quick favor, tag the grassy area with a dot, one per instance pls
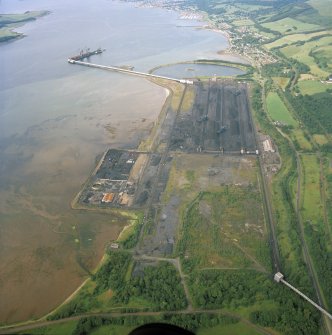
(188, 99)
(15, 18)
(278, 111)
(312, 87)
(282, 201)
(235, 329)
(128, 238)
(328, 192)
(281, 81)
(323, 7)
(311, 202)
(320, 139)
(299, 139)
(176, 88)
(63, 328)
(290, 26)
(7, 34)
(305, 54)
(8, 22)
(294, 38)
(113, 330)
(241, 23)
(251, 7)
(225, 229)
(323, 56)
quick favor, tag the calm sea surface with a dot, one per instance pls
(56, 118)
(192, 70)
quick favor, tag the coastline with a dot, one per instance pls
(167, 99)
(10, 22)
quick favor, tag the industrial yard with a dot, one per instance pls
(219, 120)
(115, 180)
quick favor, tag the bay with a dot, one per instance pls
(56, 119)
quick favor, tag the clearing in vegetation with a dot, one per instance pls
(312, 87)
(278, 111)
(311, 202)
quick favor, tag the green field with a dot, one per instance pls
(8, 22)
(290, 26)
(298, 137)
(302, 54)
(278, 111)
(294, 38)
(63, 328)
(235, 329)
(251, 8)
(241, 23)
(323, 7)
(312, 86)
(311, 202)
(225, 229)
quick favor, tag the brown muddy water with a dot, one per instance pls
(45, 245)
(56, 119)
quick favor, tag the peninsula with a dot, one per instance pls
(8, 22)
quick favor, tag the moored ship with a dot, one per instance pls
(86, 54)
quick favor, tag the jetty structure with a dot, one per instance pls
(86, 54)
(78, 59)
(279, 278)
(131, 72)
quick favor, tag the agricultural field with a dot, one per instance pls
(250, 7)
(290, 26)
(241, 23)
(323, 7)
(278, 111)
(323, 56)
(312, 87)
(294, 38)
(306, 54)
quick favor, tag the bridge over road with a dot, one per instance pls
(131, 72)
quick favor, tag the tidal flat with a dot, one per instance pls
(56, 120)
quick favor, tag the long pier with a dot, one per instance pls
(131, 72)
